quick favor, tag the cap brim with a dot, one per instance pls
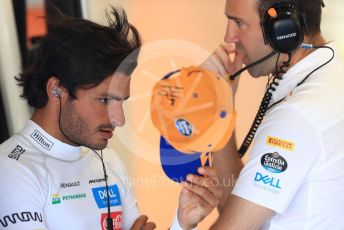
(177, 165)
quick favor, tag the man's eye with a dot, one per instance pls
(104, 100)
(239, 23)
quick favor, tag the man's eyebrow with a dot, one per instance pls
(233, 17)
(117, 98)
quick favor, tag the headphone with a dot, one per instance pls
(284, 27)
(56, 92)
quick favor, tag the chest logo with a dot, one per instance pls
(100, 196)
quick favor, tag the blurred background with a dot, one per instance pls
(175, 33)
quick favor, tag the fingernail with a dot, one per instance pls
(201, 170)
(189, 177)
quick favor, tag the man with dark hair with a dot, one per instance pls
(77, 86)
(294, 176)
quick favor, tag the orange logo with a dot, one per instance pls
(207, 158)
(283, 144)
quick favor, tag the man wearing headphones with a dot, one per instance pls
(77, 86)
(294, 176)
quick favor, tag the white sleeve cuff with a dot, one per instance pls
(175, 225)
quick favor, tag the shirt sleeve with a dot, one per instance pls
(21, 199)
(284, 154)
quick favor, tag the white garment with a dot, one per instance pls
(47, 184)
(296, 166)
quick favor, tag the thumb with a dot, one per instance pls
(184, 194)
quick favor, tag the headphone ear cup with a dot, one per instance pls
(284, 29)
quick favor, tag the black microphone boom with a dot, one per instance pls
(236, 74)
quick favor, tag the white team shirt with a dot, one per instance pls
(47, 184)
(296, 166)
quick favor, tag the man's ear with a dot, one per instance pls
(53, 89)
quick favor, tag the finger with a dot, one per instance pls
(211, 184)
(207, 171)
(199, 192)
(139, 222)
(229, 47)
(224, 58)
(184, 195)
(239, 56)
(216, 62)
(149, 226)
(189, 200)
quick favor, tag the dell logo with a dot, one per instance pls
(292, 35)
(103, 194)
(271, 181)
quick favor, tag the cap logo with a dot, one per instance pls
(184, 127)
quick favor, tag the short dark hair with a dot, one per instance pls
(81, 54)
(311, 9)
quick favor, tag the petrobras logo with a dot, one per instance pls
(100, 196)
(117, 220)
(286, 36)
(42, 140)
(56, 199)
(267, 180)
(274, 162)
(184, 127)
(74, 196)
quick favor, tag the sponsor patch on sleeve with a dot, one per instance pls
(274, 162)
(280, 143)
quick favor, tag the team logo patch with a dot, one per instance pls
(16, 152)
(117, 220)
(100, 196)
(280, 143)
(274, 162)
(184, 127)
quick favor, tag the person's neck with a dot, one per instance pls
(46, 118)
(300, 53)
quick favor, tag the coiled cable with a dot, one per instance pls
(264, 105)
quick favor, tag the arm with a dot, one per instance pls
(279, 166)
(228, 166)
(239, 213)
(224, 60)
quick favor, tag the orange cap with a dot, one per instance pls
(193, 110)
